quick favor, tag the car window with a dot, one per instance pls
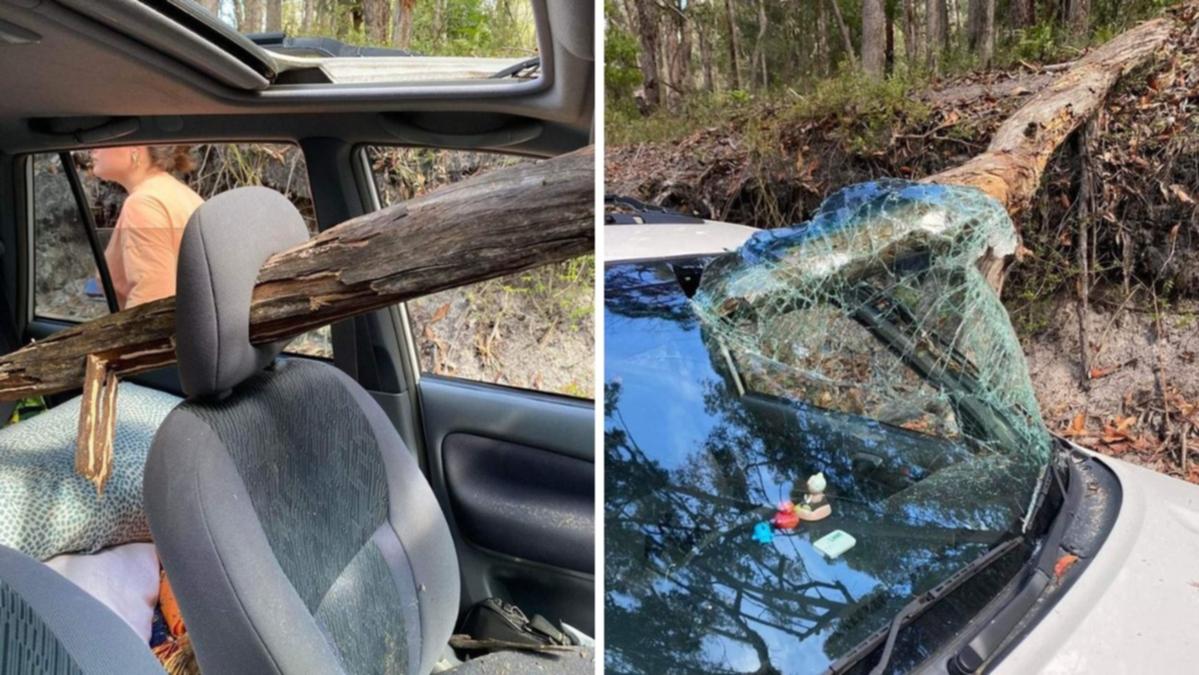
(142, 254)
(531, 330)
(66, 284)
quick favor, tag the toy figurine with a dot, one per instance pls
(763, 534)
(786, 518)
(815, 505)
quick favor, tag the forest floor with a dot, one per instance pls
(770, 162)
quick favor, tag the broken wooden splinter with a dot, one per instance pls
(97, 422)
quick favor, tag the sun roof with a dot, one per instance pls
(384, 41)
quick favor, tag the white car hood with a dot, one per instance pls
(1135, 608)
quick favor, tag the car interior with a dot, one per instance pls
(488, 489)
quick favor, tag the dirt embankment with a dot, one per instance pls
(770, 165)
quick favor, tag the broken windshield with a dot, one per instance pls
(858, 362)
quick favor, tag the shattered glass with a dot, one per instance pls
(876, 307)
(863, 345)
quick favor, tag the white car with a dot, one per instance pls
(966, 552)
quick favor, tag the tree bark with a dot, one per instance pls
(936, 33)
(873, 38)
(757, 64)
(309, 16)
(1010, 169)
(849, 51)
(986, 37)
(1079, 16)
(377, 16)
(252, 16)
(705, 55)
(274, 15)
(648, 33)
(213, 6)
(401, 33)
(911, 44)
(823, 60)
(734, 44)
(1023, 13)
(535, 214)
(678, 52)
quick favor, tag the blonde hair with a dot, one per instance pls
(175, 158)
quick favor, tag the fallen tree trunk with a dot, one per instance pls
(492, 225)
(1010, 169)
(500, 223)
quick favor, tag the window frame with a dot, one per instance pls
(402, 320)
(86, 221)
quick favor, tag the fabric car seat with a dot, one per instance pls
(297, 530)
(50, 626)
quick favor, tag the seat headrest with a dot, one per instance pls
(224, 244)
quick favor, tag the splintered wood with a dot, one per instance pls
(97, 422)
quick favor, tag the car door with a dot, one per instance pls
(505, 436)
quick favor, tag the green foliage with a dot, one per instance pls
(621, 73)
(464, 28)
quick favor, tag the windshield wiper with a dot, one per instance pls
(983, 644)
(518, 68)
(918, 606)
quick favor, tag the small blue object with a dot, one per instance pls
(91, 288)
(763, 534)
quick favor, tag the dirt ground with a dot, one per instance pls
(534, 331)
(1122, 408)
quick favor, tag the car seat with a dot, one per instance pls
(297, 530)
(50, 626)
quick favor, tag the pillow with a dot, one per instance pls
(46, 508)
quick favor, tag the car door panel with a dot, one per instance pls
(521, 500)
(514, 471)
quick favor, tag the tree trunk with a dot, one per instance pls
(911, 46)
(974, 23)
(274, 15)
(678, 53)
(536, 214)
(734, 44)
(213, 6)
(1079, 17)
(308, 19)
(1010, 169)
(936, 34)
(758, 61)
(401, 32)
(986, 42)
(849, 51)
(648, 33)
(252, 16)
(873, 38)
(705, 55)
(376, 15)
(1023, 13)
(823, 59)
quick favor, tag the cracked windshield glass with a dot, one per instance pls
(806, 433)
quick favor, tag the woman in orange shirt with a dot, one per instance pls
(144, 248)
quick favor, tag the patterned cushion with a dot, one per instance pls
(46, 508)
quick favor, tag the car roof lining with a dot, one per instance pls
(81, 68)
